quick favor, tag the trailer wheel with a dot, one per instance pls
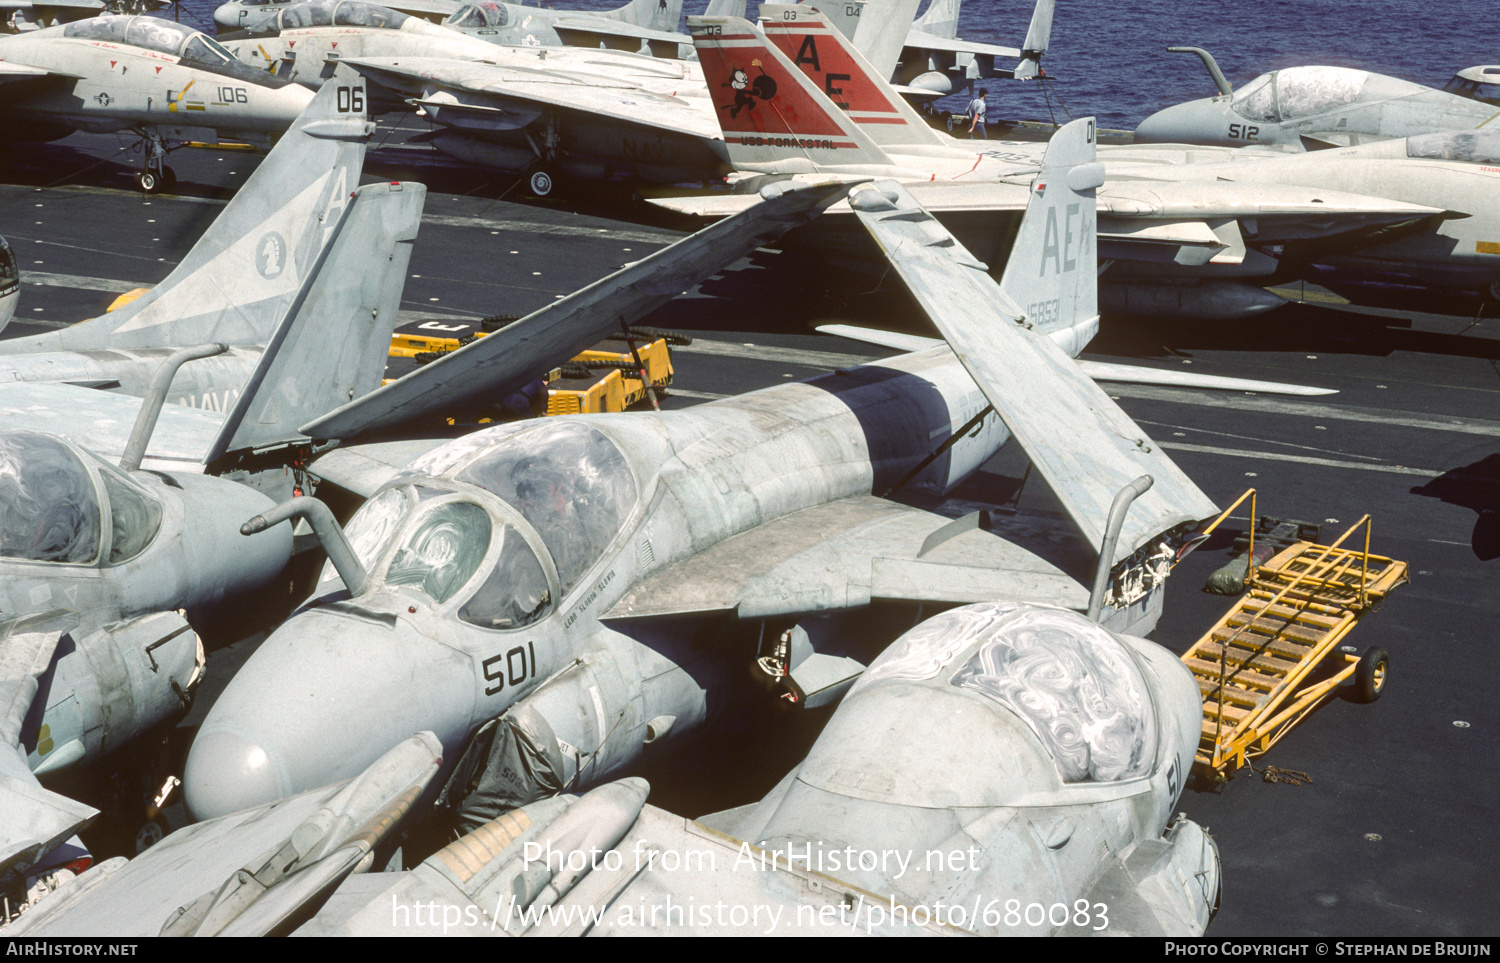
(1371, 673)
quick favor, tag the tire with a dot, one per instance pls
(148, 182)
(541, 183)
(1370, 674)
(168, 178)
(149, 834)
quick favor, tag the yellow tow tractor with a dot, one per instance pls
(1258, 667)
(626, 368)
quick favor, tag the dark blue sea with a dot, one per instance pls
(1109, 58)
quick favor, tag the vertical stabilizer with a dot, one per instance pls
(833, 64)
(941, 18)
(237, 282)
(332, 346)
(775, 120)
(845, 17)
(1055, 260)
(882, 33)
(664, 15)
(1039, 34)
(726, 8)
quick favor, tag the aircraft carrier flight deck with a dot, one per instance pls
(1391, 832)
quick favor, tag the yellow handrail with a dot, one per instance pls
(1224, 645)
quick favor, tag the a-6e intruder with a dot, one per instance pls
(1002, 769)
(589, 576)
(154, 78)
(1311, 108)
(1038, 755)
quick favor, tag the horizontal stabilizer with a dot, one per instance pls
(101, 421)
(486, 371)
(1085, 446)
(1136, 374)
(927, 41)
(1098, 370)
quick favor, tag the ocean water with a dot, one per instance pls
(1108, 57)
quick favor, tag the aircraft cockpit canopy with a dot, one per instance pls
(1295, 92)
(54, 498)
(1075, 686)
(1048, 671)
(444, 540)
(331, 13)
(477, 16)
(1477, 83)
(569, 482)
(1471, 146)
(567, 493)
(194, 48)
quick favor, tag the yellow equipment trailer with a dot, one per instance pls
(1258, 667)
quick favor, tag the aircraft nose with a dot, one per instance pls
(1195, 122)
(227, 772)
(332, 689)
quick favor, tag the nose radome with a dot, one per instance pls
(227, 773)
(1196, 122)
(321, 699)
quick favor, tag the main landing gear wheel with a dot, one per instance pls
(541, 183)
(1371, 673)
(154, 182)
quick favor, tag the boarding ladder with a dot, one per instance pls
(1255, 668)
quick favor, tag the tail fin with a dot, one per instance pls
(663, 15)
(774, 120)
(726, 8)
(1038, 35)
(941, 18)
(831, 62)
(882, 33)
(332, 345)
(845, 17)
(1053, 266)
(237, 282)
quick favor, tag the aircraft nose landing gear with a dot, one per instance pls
(156, 176)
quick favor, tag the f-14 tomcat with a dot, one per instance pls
(155, 78)
(588, 575)
(555, 109)
(1186, 230)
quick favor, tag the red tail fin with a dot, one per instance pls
(774, 119)
(833, 64)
